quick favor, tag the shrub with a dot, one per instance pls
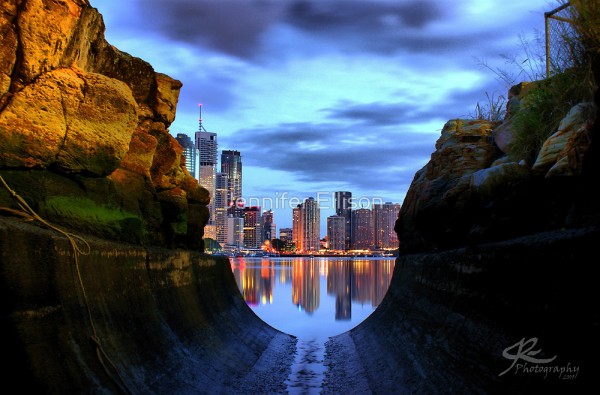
(493, 110)
(542, 109)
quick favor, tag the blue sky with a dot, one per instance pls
(328, 95)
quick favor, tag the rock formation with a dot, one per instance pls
(472, 190)
(84, 127)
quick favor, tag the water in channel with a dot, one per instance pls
(312, 298)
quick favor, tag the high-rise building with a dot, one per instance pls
(252, 231)
(297, 227)
(343, 208)
(311, 219)
(336, 232)
(206, 143)
(362, 229)
(235, 231)
(285, 235)
(231, 164)
(267, 225)
(220, 201)
(189, 152)
(384, 219)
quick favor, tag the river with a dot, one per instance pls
(312, 298)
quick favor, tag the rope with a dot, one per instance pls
(28, 213)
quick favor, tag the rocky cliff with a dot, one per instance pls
(476, 189)
(84, 130)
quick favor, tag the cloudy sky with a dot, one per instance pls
(327, 95)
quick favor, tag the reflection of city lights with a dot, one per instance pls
(352, 282)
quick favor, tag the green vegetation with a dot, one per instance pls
(542, 109)
(83, 214)
(574, 45)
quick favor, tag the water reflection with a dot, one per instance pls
(313, 296)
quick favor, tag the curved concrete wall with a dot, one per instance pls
(172, 322)
(448, 317)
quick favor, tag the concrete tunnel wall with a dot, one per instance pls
(171, 321)
(174, 321)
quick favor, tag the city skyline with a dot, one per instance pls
(328, 95)
(226, 190)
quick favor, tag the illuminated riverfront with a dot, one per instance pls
(313, 297)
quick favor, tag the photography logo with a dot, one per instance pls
(525, 361)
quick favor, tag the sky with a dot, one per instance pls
(329, 95)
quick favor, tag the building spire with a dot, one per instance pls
(200, 127)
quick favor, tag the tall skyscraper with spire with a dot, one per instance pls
(206, 143)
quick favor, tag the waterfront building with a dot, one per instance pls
(343, 208)
(286, 236)
(336, 232)
(235, 231)
(384, 219)
(311, 219)
(252, 227)
(362, 229)
(267, 226)
(297, 226)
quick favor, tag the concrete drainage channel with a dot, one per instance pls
(308, 368)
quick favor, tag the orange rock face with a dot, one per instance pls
(72, 103)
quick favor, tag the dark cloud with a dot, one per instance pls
(240, 28)
(362, 15)
(322, 153)
(231, 27)
(459, 104)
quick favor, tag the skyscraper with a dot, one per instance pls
(343, 208)
(235, 231)
(206, 143)
(252, 227)
(189, 152)
(267, 226)
(297, 227)
(362, 229)
(231, 164)
(220, 202)
(285, 235)
(384, 219)
(336, 232)
(311, 219)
